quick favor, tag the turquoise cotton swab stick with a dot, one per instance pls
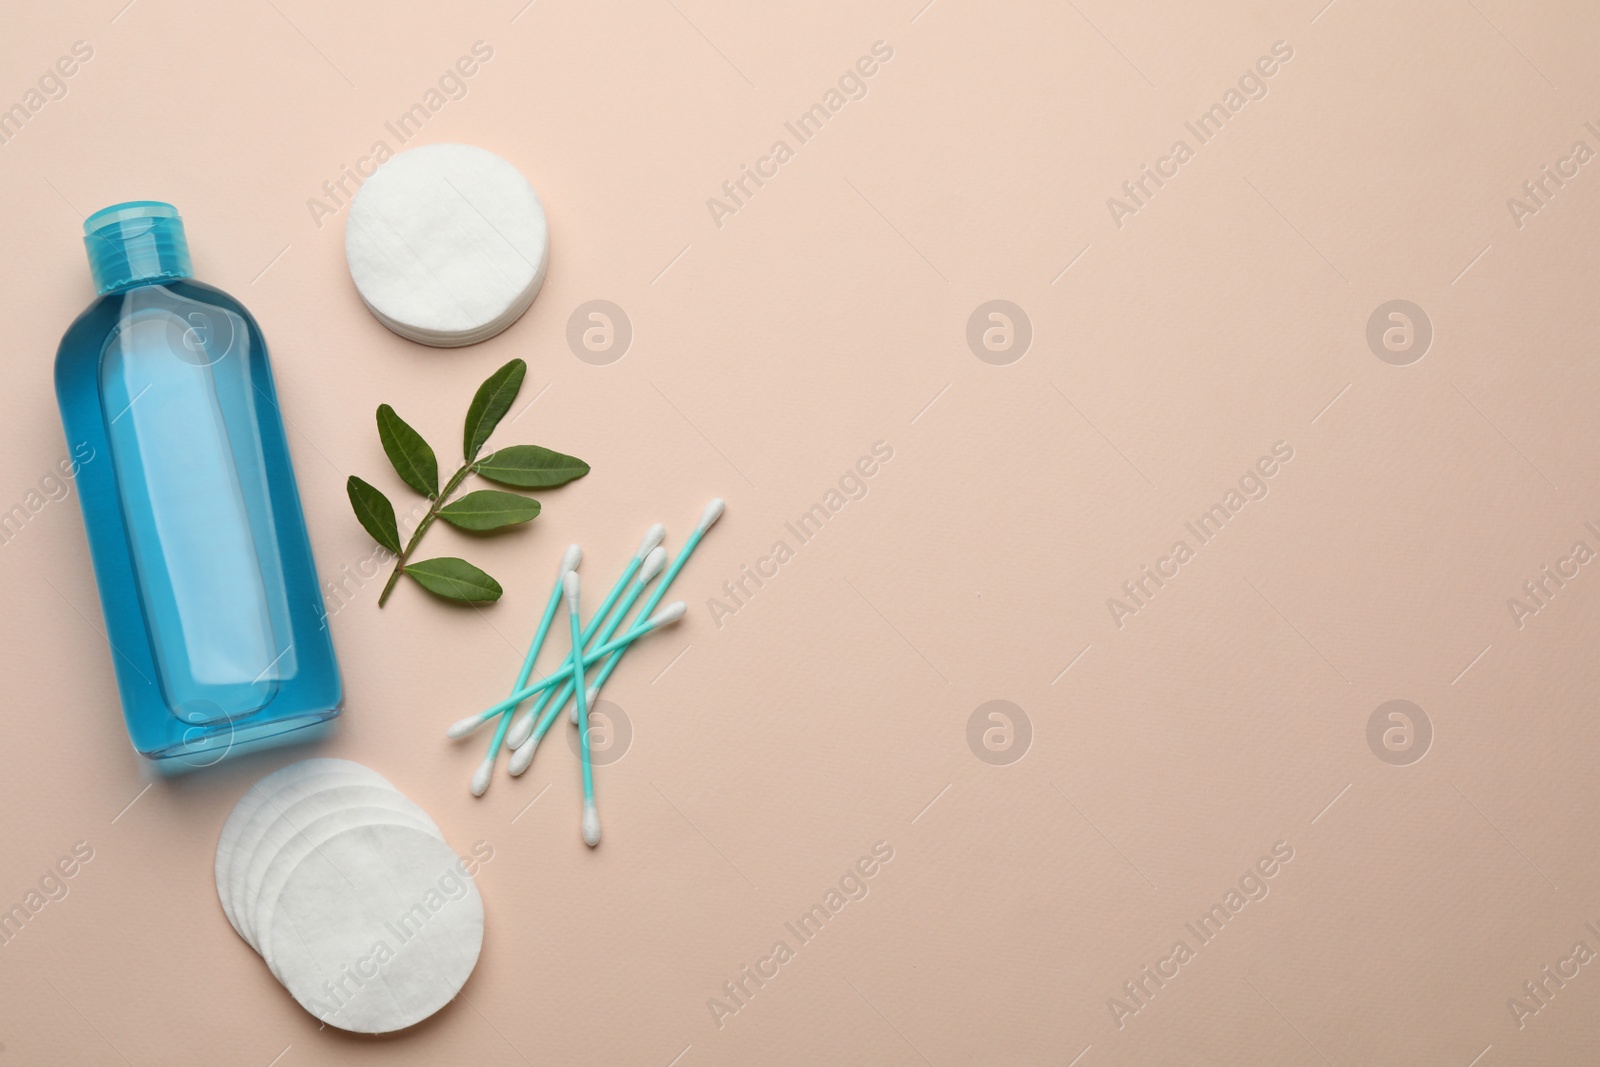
(523, 755)
(574, 555)
(652, 537)
(569, 563)
(591, 815)
(523, 726)
(712, 513)
(665, 617)
(522, 752)
(653, 565)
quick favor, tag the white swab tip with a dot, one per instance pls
(462, 727)
(653, 564)
(572, 714)
(519, 731)
(570, 561)
(591, 824)
(570, 585)
(652, 537)
(669, 614)
(712, 513)
(592, 695)
(480, 777)
(523, 756)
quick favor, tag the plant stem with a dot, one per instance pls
(422, 527)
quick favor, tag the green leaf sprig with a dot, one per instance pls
(480, 511)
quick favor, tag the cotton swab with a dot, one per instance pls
(574, 555)
(523, 724)
(660, 556)
(654, 564)
(591, 816)
(530, 728)
(652, 539)
(708, 518)
(522, 755)
(569, 565)
(665, 617)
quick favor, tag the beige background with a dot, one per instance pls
(1166, 757)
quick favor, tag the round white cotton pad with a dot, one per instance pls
(377, 929)
(293, 851)
(293, 822)
(447, 244)
(227, 848)
(229, 839)
(288, 790)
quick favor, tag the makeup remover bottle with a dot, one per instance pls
(212, 607)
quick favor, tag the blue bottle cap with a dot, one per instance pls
(139, 241)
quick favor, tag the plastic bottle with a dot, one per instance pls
(212, 606)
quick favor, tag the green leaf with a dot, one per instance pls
(413, 460)
(454, 579)
(490, 405)
(530, 467)
(375, 513)
(489, 509)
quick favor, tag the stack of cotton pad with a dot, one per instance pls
(447, 244)
(350, 893)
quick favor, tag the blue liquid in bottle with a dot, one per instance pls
(212, 606)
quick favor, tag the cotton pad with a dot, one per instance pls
(351, 894)
(377, 929)
(447, 244)
(293, 820)
(270, 801)
(253, 800)
(260, 907)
